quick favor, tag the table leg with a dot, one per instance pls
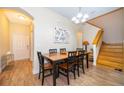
(87, 60)
(57, 71)
(54, 74)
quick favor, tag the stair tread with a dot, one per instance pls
(103, 61)
(105, 52)
(111, 55)
(113, 44)
(111, 64)
(117, 54)
(105, 56)
(110, 47)
(114, 51)
(110, 60)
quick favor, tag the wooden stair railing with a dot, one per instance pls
(96, 42)
(97, 45)
(99, 34)
(98, 37)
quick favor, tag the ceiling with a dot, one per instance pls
(15, 17)
(93, 12)
(68, 12)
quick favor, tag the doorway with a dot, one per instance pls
(20, 32)
(18, 35)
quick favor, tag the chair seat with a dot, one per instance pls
(48, 66)
(64, 65)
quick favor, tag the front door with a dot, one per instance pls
(21, 45)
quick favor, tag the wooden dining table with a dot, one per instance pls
(56, 59)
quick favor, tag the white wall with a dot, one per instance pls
(79, 39)
(123, 24)
(4, 36)
(89, 33)
(32, 41)
(44, 22)
(113, 26)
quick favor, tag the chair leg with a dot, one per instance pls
(58, 71)
(68, 77)
(42, 78)
(78, 70)
(39, 72)
(83, 67)
(74, 73)
(57, 74)
(39, 75)
(51, 71)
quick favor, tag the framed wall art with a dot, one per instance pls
(61, 35)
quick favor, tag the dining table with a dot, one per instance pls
(56, 58)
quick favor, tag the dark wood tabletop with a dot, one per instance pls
(58, 56)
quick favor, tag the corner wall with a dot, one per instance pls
(89, 32)
(123, 24)
(79, 36)
(112, 24)
(4, 35)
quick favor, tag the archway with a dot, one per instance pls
(31, 27)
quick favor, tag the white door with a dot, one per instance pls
(21, 45)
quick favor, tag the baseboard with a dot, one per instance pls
(26, 59)
(35, 72)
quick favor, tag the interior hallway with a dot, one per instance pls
(20, 74)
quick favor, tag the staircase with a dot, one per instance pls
(111, 55)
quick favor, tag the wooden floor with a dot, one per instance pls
(20, 74)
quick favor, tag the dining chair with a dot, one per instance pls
(62, 50)
(52, 51)
(43, 67)
(80, 61)
(79, 49)
(83, 51)
(68, 66)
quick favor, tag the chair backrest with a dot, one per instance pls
(72, 56)
(52, 51)
(79, 49)
(81, 55)
(40, 58)
(81, 52)
(62, 50)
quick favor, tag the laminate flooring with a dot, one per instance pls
(20, 74)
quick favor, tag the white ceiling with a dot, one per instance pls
(93, 12)
(68, 12)
(14, 17)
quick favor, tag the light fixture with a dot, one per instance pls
(80, 18)
(83, 20)
(21, 17)
(74, 18)
(77, 21)
(79, 15)
(86, 16)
